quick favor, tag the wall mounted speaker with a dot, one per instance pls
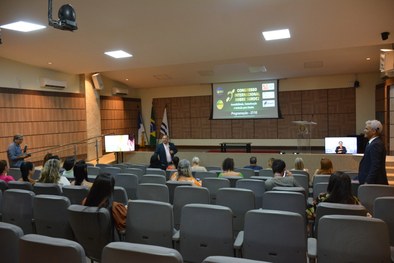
(98, 81)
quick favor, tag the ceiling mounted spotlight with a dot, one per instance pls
(66, 16)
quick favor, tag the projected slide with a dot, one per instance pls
(245, 100)
(119, 143)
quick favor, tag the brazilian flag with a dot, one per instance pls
(152, 140)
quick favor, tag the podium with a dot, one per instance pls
(304, 135)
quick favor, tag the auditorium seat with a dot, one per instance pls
(47, 189)
(129, 182)
(155, 171)
(137, 171)
(75, 193)
(184, 195)
(274, 236)
(213, 185)
(174, 184)
(20, 185)
(154, 192)
(384, 209)
(257, 186)
(92, 228)
(15, 172)
(202, 175)
(111, 170)
(123, 252)
(246, 172)
(367, 193)
(42, 249)
(120, 195)
(149, 222)
(153, 179)
(285, 201)
(9, 242)
(223, 259)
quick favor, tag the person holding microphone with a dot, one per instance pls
(15, 153)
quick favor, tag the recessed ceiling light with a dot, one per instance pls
(386, 49)
(49, 63)
(368, 59)
(276, 34)
(22, 26)
(127, 79)
(118, 54)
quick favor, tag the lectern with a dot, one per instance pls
(304, 135)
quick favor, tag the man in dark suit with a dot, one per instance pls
(372, 168)
(166, 151)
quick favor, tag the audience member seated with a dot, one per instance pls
(155, 162)
(50, 173)
(174, 164)
(326, 167)
(184, 173)
(49, 156)
(339, 190)
(196, 167)
(101, 195)
(228, 168)
(282, 177)
(68, 166)
(269, 162)
(299, 165)
(81, 174)
(27, 171)
(253, 164)
(3, 172)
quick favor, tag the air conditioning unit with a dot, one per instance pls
(119, 91)
(53, 84)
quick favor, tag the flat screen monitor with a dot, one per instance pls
(119, 143)
(350, 143)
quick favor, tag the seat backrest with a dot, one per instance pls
(300, 172)
(257, 186)
(383, 209)
(153, 179)
(123, 252)
(266, 172)
(202, 175)
(274, 236)
(38, 248)
(223, 259)
(346, 238)
(213, 185)
(325, 208)
(174, 184)
(3, 185)
(9, 242)
(122, 166)
(285, 201)
(302, 180)
(320, 178)
(239, 201)
(103, 165)
(75, 193)
(246, 172)
(367, 193)
(129, 182)
(120, 195)
(149, 222)
(137, 171)
(47, 189)
(297, 189)
(93, 170)
(92, 228)
(50, 216)
(213, 168)
(111, 170)
(36, 174)
(154, 192)
(15, 172)
(155, 171)
(319, 188)
(18, 208)
(184, 195)
(206, 230)
(139, 166)
(20, 185)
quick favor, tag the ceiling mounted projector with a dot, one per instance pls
(66, 16)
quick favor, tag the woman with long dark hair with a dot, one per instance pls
(27, 171)
(81, 174)
(340, 189)
(101, 196)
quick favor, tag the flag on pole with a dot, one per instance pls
(141, 131)
(164, 124)
(152, 140)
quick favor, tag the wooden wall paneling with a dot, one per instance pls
(265, 129)
(341, 124)
(286, 128)
(221, 129)
(290, 102)
(314, 101)
(320, 130)
(242, 129)
(200, 106)
(342, 100)
(180, 128)
(200, 128)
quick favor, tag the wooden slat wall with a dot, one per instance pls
(46, 119)
(334, 110)
(119, 115)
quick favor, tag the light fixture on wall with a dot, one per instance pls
(66, 16)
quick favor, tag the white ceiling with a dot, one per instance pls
(185, 42)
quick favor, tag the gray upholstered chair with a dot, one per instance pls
(154, 192)
(9, 242)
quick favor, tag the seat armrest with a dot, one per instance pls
(239, 240)
(176, 236)
(312, 248)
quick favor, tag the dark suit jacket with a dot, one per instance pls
(372, 168)
(162, 152)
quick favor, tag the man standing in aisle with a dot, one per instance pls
(15, 153)
(372, 168)
(166, 151)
